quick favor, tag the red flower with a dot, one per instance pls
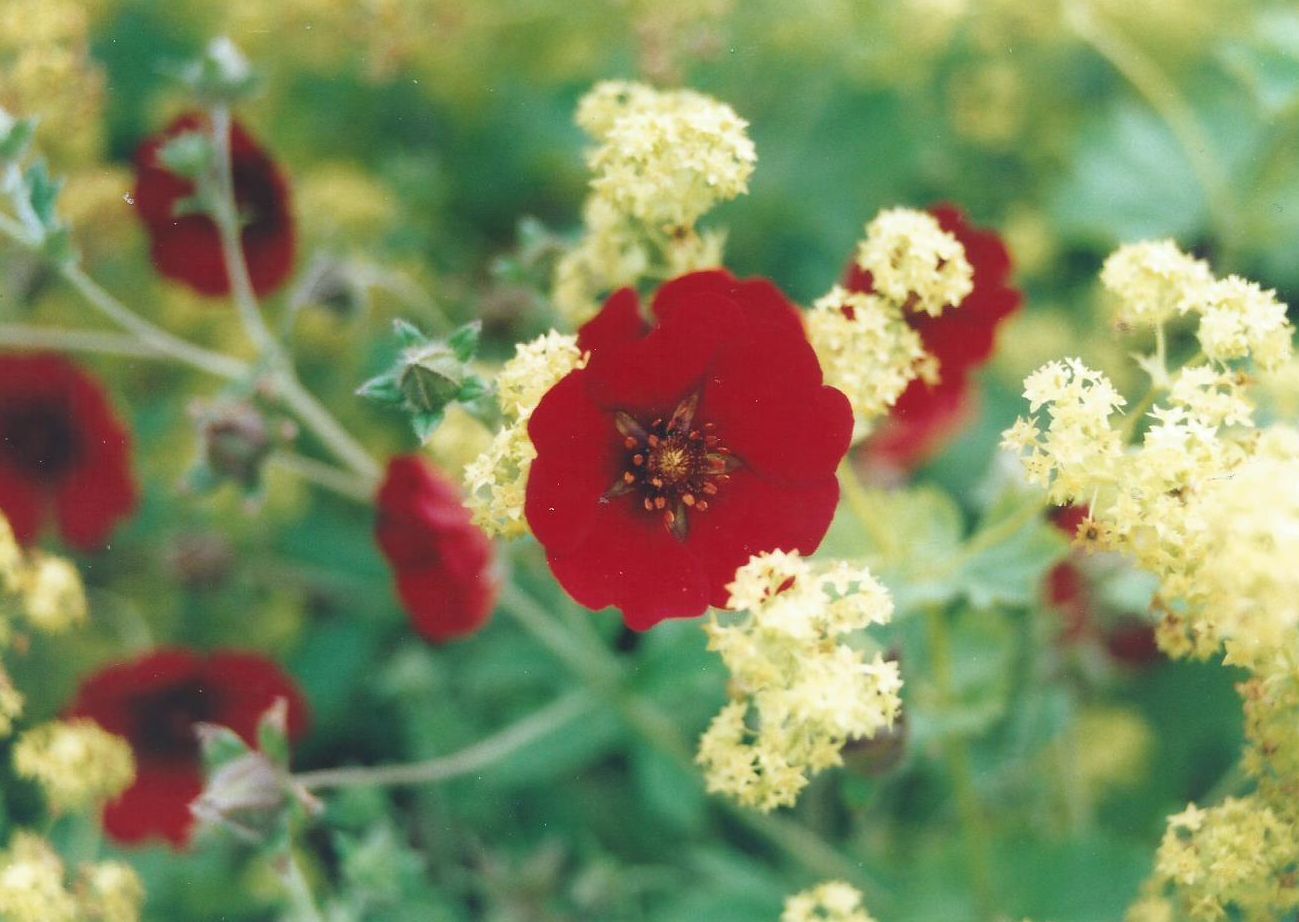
(682, 449)
(188, 248)
(962, 338)
(154, 702)
(62, 451)
(444, 565)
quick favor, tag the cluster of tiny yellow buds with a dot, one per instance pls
(1079, 447)
(664, 157)
(1241, 320)
(1230, 861)
(866, 349)
(76, 762)
(1271, 730)
(31, 883)
(612, 254)
(914, 262)
(496, 481)
(46, 69)
(33, 889)
(833, 901)
(11, 704)
(54, 599)
(110, 892)
(800, 692)
(342, 203)
(535, 368)
(1153, 282)
(11, 558)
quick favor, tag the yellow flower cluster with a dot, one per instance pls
(1154, 282)
(662, 159)
(863, 341)
(799, 690)
(866, 349)
(833, 901)
(76, 762)
(1238, 854)
(1211, 507)
(33, 887)
(43, 592)
(914, 262)
(496, 481)
(46, 71)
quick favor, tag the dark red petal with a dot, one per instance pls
(155, 806)
(23, 504)
(922, 421)
(752, 515)
(444, 564)
(619, 322)
(246, 685)
(629, 560)
(579, 452)
(650, 376)
(108, 696)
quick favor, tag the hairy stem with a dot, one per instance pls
(956, 751)
(551, 718)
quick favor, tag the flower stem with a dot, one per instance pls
(859, 502)
(974, 824)
(299, 891)
(331, 478)
(27, 336)
(549, 719)
(598, 667)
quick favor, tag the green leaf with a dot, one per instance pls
(220, 746)
(43, 193)
(1009, 571)
(1268, 61)
(383, 389)
(273, 733)
(408, 334)
(464, 341)
(425, 424)
(668, 790)
(15, 136)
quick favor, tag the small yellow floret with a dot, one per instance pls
(54, 599)
(1154, 281)
(536, 367)
(110, 892)
(914, 262)
(77, 763)
(833, 901)
(31, 883)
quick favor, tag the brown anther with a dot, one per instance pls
(653, 441)
(628, 477)
(702, 505)
(709, 427)
(688, 499)
(629, 443)
(669, 517)
(660, 502)
(695, 435)
(649, 504)
(638, 460)
(658, 422)
(710, 488)
(656, 483)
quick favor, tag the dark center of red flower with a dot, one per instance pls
(40, 440)
(165, 721)
(256, 197)
(675, 467)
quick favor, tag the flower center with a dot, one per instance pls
(165, 721)
(39, 440)
(673, 465)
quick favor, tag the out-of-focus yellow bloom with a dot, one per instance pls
(76, 762)
(1113, 747)
(799, 690)
(914, 262)
(31, 883)
(54, 599)
(496, 481)
(340, 203)
(833, 901)
(110, 892)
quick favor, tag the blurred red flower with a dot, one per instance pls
(962, 338)
(62, 451)
(444, 564)
(683, 448)
(187, 248)
(154, 702)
